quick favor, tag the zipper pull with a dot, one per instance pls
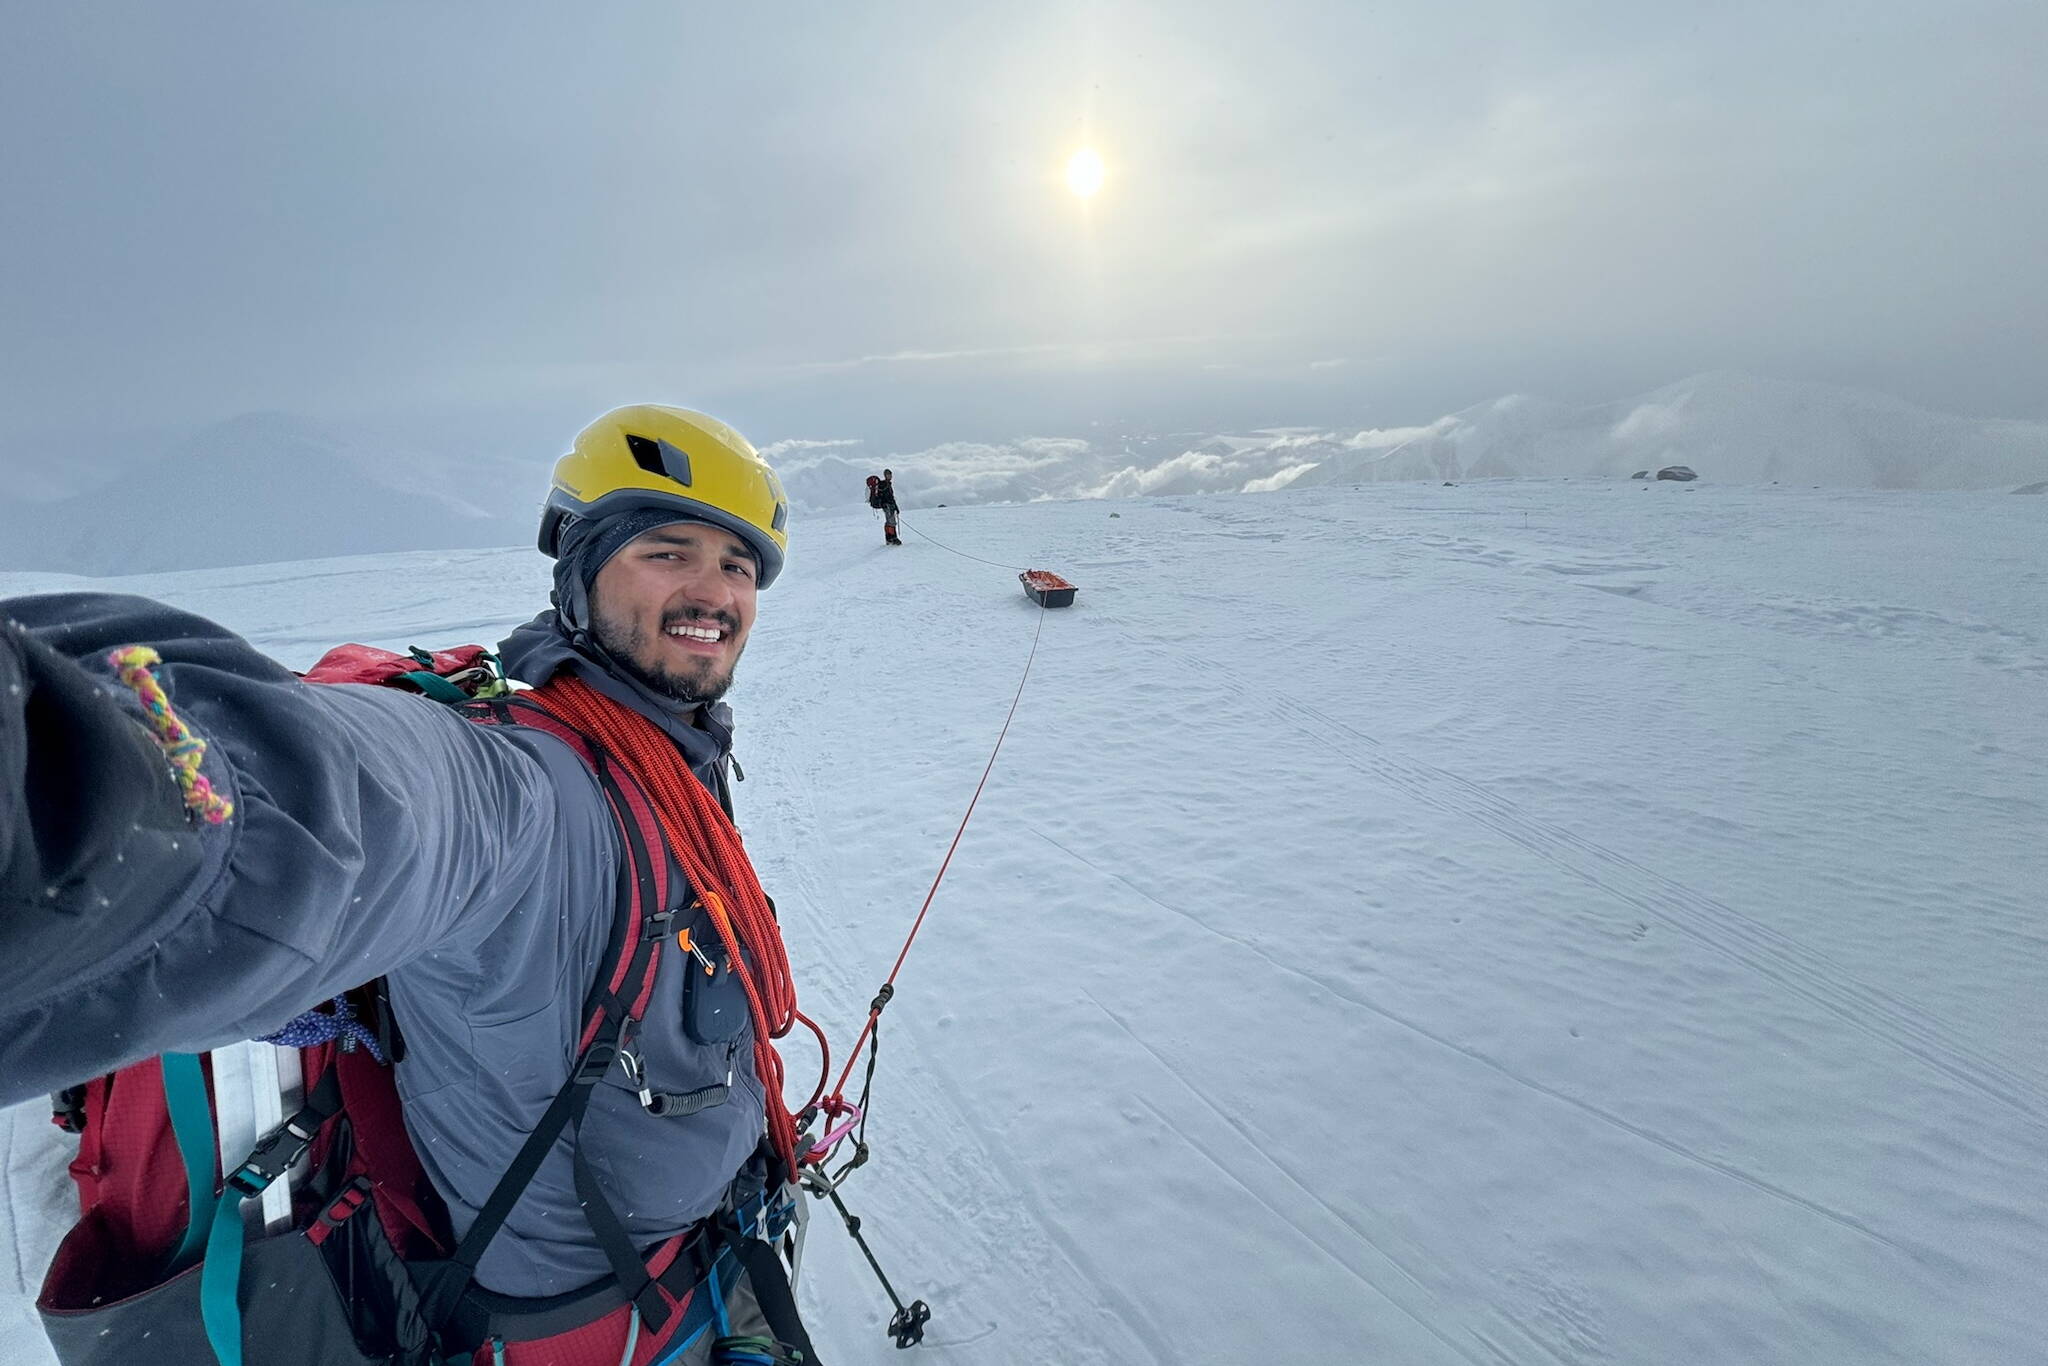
(636, 1073)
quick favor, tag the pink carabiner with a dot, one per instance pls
(837, 1132)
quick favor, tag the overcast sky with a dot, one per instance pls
(850, 219)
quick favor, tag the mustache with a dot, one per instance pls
(726, 621)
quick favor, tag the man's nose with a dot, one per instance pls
(705, 586)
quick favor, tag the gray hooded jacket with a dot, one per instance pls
(375, 832)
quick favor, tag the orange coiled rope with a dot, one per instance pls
(704, 841)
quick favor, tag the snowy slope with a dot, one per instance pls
(266, 487)
(1526, 922)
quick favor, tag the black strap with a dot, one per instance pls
(628, 1270)
(445, 1283)
(448, 1282)
(772, 1292)
(384, 1023)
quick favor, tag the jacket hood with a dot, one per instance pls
(543, 647)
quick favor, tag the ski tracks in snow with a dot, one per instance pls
(992, 1254)
(1772, 955)
(1342, 991)
(1780, 959)
(1251, 1156)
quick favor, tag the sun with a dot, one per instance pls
(1084, 172)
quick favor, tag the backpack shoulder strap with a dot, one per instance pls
(611, 1014)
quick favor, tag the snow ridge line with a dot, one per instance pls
(1769, 953)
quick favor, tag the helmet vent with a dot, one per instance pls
(660, 457)
(646, 453)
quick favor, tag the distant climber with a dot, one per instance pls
(882, 495)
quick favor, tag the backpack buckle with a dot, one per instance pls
(597, 1061)
(67, 1109)
(264, 1165)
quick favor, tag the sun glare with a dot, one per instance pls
(1084, 172)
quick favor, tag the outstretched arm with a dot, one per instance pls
(369, 828)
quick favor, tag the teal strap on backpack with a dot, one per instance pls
(220, 1278)
(220, 1275)
(435, 686)
(192, 1126)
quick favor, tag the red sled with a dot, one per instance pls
(1046, 588)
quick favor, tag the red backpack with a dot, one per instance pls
(357, 1265)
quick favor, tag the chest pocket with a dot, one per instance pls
(714, 1001)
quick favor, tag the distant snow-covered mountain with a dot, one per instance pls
(272, 486)
(1731, 428)
(264, 487)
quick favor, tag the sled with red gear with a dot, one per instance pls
(1046, 588)
(326, 1240)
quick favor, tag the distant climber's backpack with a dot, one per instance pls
(876, 499)
(352, 1261)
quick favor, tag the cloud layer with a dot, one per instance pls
(856, 223)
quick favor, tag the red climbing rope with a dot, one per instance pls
(836, 1102)
(704, 841)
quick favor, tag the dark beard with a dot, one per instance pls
(626, 645)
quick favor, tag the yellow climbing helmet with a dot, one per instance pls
(652, 456)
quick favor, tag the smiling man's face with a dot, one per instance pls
(674, 606)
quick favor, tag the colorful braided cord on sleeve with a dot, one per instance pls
(185, 750)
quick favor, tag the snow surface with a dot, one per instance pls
(1523, 922)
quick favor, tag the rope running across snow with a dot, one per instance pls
(889, 987)
(961, 553)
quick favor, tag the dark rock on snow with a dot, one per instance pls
(1682, 473)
